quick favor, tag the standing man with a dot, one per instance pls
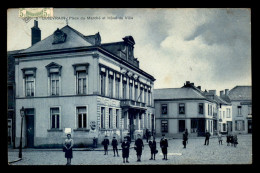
(152, 145)
(187, 134)
(139, 146)
(164, 145)
(147, 135)
(185, 139)
(105, 143)
(125, 150)
(207, 135)
(114, 144)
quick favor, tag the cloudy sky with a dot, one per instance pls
(210, 47)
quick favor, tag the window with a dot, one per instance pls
(149, 98)
(239, 110)
(29, 85)
(54, 83)
(82, 117)
(194, 126)
(164, 109)
(117, 88)
(228, 113)
(239, 125)
(200, 108)
(164, 126)
(141, 94)
(208, 110)
(124, 89)
(249, 110)
(55, 118)
(136, 92)
(181, 125)
(145, 96)
(110, 86)
(220, 116)
(181, 108)
(223, 114)
(102, 118)
(224, 127)
(81, 82)
(110, 118)
(117, 118)
(130, 91)
(103, 83)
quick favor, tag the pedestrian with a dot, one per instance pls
(152, 145)
(187, 134)
(105, 143)
(232, 139)
(125, 150)
(235, 140)
(94, 142)
(228, 139)
(128, 138)
(185, 138)
(68, 144)
(164, 145)
(219, 138)
(139, 146)
(207, 135)
(147, 135)
(114, 144)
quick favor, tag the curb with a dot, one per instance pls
(15, 161)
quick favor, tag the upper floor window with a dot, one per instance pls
(124, 87)
(117, 86)
(55, 118)
(239, 110)
(110, 85)
(223, 114)
(181, 108)
(249, 110)
(145, 95)
(81, 72)
(130, 89)
(201, 108)
(164, 109)
(82, 117)
(149, 97)
(228, 113)
(136, 91)
(103, 81)
(54, 83)
(29, 75)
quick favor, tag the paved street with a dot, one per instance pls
(195, 153)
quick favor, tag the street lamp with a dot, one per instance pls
(22, 116)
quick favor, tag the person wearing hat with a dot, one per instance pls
(105, 143)
(152, 145)
(139, 146)
(125, 150)
(114, 144)
(68, 144)
(164, 145)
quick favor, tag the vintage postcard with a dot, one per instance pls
(121, 86)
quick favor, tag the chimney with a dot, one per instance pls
(199, 87)
(36, 33)
(187, 82)
(192, 84)
(212, 92)
(221, 93)
(226, 92)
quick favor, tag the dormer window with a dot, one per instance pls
(59, 36)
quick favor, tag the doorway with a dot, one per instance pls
(29, 119)
(249, 126)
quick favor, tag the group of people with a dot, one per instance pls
(231, 139)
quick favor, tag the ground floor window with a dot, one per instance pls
(164, 126)
(181, 125)
(224, 127)
(82, 117)
(194, 126)
(55, 118)
(239, 125)
(102, 118)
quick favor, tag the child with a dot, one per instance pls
(105, 143)
(219, 138)
(125, 150)
(114, 144)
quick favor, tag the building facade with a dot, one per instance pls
(177, 109)
(69, 82)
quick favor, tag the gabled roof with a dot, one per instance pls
(177, 93)
(73, 39)
(240, 93)
(11, 65)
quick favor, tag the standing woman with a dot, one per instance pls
(125, 149)
(68, 144)
(139, 145)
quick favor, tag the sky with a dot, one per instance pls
(209, 47)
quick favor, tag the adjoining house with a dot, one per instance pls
(241, 99)
(72, 83)
(177, 109)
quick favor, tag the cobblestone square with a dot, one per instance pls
(195, 153)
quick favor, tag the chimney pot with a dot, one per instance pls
(199, 87)
(212, 92)
(221, 93)
(187, 82)
(226, 92)
(192, 83)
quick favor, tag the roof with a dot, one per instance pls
(73, 39)
(11, 65)
(240, 93)
(177, 93)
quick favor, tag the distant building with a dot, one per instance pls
(177, 109)
(69, 82)
(241, 99)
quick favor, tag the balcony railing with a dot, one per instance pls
(132, 103)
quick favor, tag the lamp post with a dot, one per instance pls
(22, 116)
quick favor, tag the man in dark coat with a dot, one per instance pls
(147, 135)
(207, 135)
(114, 144)
(105, 143)
(187, 134)
(185, 139)
(125, 150)
(152, 145)
(139, 146)
(164, 145)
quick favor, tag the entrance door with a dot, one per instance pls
(29, 119)
(131, 125)
(249, 126)
(201, 127)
